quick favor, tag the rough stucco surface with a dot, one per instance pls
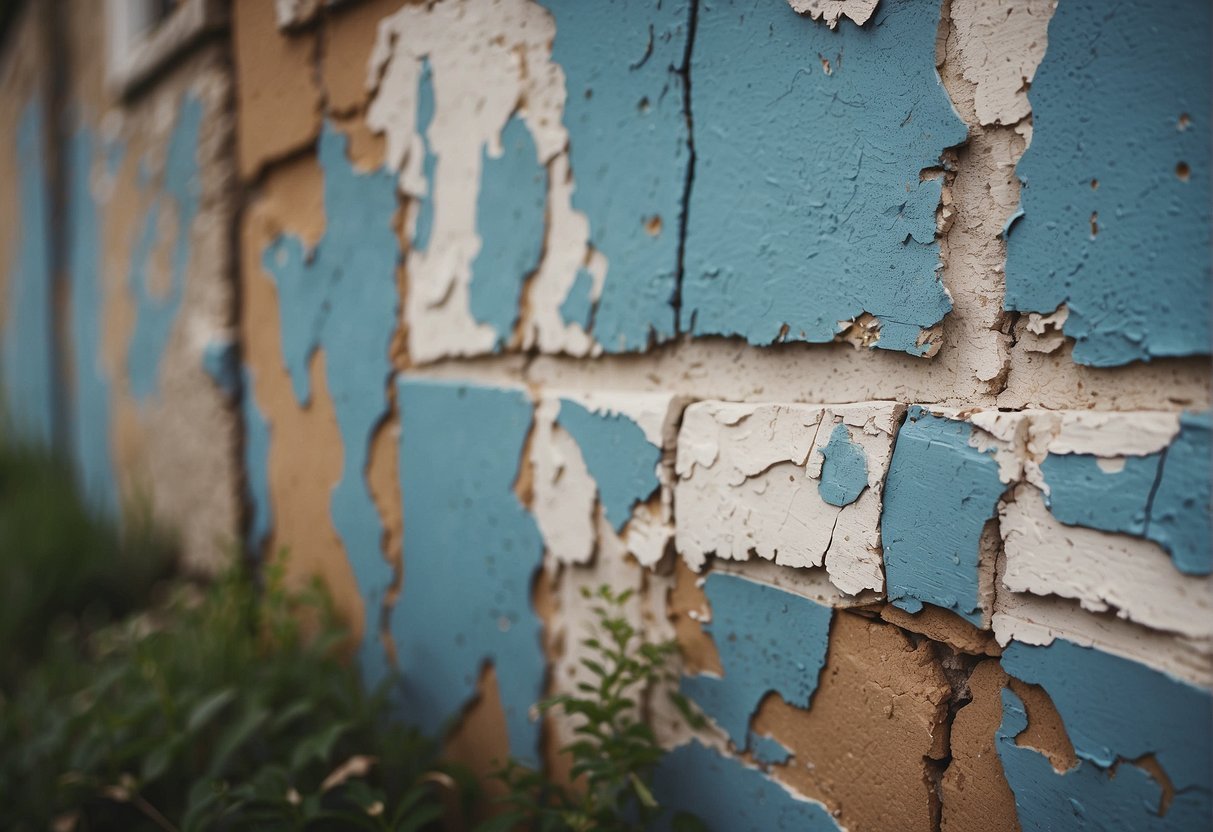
(822, 325)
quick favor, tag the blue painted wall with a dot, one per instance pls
(808, 207)
(471, 551)
(26, 350)
(1121, 108)
(628, 147)
(768, 640)
(938, 494)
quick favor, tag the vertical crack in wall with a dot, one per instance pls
(685, 72)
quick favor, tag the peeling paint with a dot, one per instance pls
(470, 553)
(1116, 107)
(618, 454)
(774, 234)
(509, 220)
(746, 486)
(341, 297)
(844, 473)
(768, 640)
(1125, 797)
(728, 796)
(156, 316)
(939, 495)
(1163, 496)
(604, 449)
(831, 11)
(620, 63)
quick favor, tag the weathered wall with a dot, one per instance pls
(867, 339)
(135, 258)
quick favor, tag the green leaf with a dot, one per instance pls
(208, 709)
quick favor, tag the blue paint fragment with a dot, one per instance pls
(471, 551)
(256, 467)
(510, 211)
(1114, 708)
(728, 796)
(618, 455)
(1088, 796)
(768, 640)
(342, 298)
(90, 400)
(1179, 515)
(939, 493)
(26, 348)
(768, 750)
(844, 473)
(429, 164)
(1118, 105)
(155, 317)
(578, 305)
(221, 361)
(808, 207)
(1163, 497)
(628, 147)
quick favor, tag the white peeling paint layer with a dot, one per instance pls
(1000, 44)
(565, 502)
(831, 11)
(747, 482)
(1127, 575)
(488, 61)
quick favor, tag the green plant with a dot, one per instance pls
(62, 561)
(215, 711)
(615, 752)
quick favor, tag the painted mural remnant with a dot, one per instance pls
(1144, 742)
(754, 478)
(156, 316)
(768, 640)
(1116, 215)
(810, 206)
(27, 350)
(341, 298)
(471, 551)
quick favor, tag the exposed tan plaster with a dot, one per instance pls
(300, 483)
(278, 99)
(880, 706)
(974, 792)
(943, 626)
(348, 35)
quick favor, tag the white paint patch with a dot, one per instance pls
(488, 61)
(747, 483)
(831, 11)
(566, 505)
(1000, 44)
(1127, 575)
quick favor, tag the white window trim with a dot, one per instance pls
(137, 47)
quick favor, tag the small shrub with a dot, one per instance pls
(615, 752)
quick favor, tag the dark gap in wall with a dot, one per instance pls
(685, 72)
(56, 133)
